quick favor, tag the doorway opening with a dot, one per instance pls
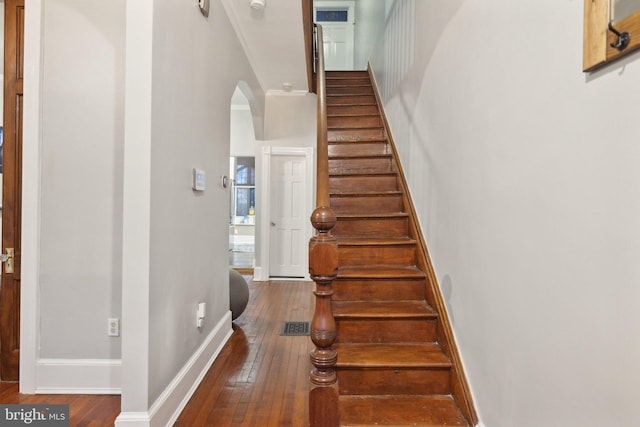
(242, 194)
(337, 19)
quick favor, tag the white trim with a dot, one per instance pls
(261, 273)
(31, 184)
(280, 92)
(166, 409)
(78, 376)
(257, 275)
(133, 419)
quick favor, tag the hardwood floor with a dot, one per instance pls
(84, 410)
(259, 379)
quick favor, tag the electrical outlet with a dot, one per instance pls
(113, 327)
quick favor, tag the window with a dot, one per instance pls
(332, 15)
(244, 190)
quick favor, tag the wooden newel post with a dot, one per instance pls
(323, 268)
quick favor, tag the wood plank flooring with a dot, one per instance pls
(259, 379)
(84, 410)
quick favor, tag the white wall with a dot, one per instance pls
(525, 174)
(81, 201)
(243, 141)
(370, 16)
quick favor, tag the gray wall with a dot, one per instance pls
(82, 143)
(525, 174)
(190, 127)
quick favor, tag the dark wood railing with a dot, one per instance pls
(323, 268)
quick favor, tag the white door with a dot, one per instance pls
(337, 22)
(288, 217)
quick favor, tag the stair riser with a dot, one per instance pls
(378, 290)
(352, 110)
(367, 204)
(383, 227)
(351, 100)
(354, 122)
(372, 134)
(360, 148)
(385, 330)
(394, 381)
(349, 90)
(365, 165)
(359, 81)
(363, 183)
(370, 255)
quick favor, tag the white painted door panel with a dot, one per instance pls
(288, 217)
(338, 46)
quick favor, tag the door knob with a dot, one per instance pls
(273, 224)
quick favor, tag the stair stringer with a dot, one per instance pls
(460, 387)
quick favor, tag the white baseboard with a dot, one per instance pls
(166, 409)
(258, 275)
(78, 376)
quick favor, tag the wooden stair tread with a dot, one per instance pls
(356, 100)
(380, 271)
(363, 173)
(383, 309)
(391, 355)
(386, 215)
(374, 241)
(342, 74)
(359, 156)
(334, 85)
(399, 410)
(365, 193)
(354, 115)
(358, 141)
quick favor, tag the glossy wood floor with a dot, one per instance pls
(84, 411)
(259, 379)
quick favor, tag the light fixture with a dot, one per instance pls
(204, 7)
(257, 4)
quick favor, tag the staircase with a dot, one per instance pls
(394, 363)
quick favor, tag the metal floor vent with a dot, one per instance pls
(295, 328)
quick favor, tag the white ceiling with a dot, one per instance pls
(273, 40)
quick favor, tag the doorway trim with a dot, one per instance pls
(261, 272)
(31, 192)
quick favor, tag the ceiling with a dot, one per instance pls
(273, 41)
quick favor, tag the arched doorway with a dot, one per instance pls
(242, 174)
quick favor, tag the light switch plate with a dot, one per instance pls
(199, 179)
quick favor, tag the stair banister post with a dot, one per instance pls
(323, 269)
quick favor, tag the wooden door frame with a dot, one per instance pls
(263, 195)
(13, 101)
